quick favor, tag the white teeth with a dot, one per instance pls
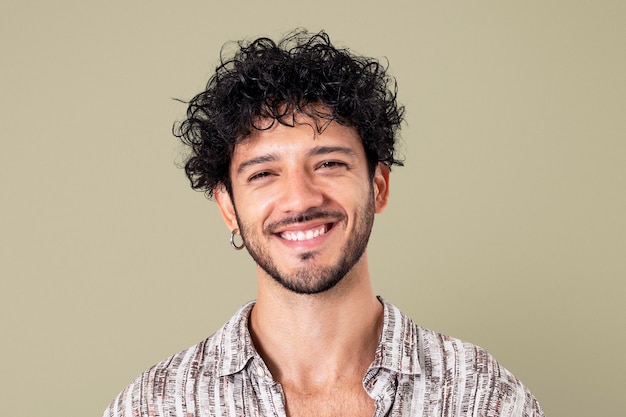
(301, 235)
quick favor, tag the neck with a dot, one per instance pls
(314, 341)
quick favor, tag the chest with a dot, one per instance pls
(352, 402)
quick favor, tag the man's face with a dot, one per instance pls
(304, 202)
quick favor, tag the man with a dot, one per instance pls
(295, 141)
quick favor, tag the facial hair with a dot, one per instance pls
(311, 279)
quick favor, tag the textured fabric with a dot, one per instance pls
(416, 372)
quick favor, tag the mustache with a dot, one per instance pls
(312, 214)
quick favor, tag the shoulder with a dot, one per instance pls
(453, 375)
(174, 384)
(441, 352)
(162, 381)
(474, 376)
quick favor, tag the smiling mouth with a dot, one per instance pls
(302, 235)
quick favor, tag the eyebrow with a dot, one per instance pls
(270, 157)
(316, 151)
(323, 150)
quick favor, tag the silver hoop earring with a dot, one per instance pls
(232, 240)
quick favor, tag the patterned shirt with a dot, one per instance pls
(415, 372)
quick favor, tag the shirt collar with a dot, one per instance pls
(398, 348)
(235, 342)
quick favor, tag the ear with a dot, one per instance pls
(226, 206)
(380, 183)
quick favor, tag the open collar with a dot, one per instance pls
(397, 351)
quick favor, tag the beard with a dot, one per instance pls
(308, 278)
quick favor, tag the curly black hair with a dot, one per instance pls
(302, 73)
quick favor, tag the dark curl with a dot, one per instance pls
(264, 80)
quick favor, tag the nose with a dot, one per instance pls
(300, 192)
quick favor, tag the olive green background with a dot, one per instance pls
(506, 227)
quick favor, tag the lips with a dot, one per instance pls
(302, 235)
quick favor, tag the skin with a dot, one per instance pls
(317, 321)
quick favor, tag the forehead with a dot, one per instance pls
(304, 133)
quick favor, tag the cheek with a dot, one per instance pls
(367, 193)
(253, 210)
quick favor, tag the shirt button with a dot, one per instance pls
(260, 372)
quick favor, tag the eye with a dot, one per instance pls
(332, 164)
(259, 175)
